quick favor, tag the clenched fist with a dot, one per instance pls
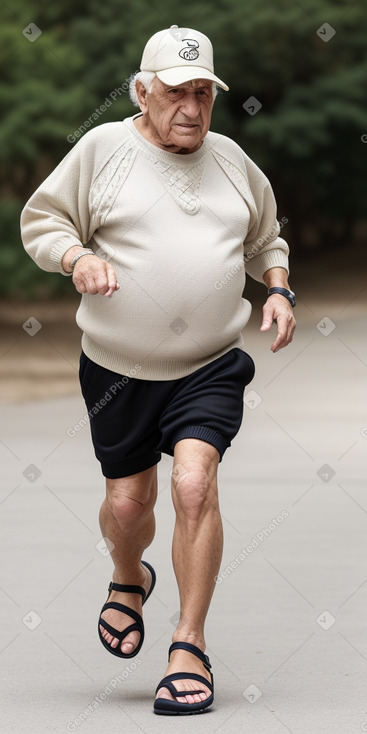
(91, 274)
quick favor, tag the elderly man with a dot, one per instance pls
(156, 218)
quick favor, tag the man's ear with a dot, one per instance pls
(141, 94)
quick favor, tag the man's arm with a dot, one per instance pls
(278, 309)
(57, 221)
(266, 256)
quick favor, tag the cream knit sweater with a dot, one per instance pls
(179, 231)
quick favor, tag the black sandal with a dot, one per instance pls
(137, 625)
(164, 705)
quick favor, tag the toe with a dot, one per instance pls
(164, 693)
(130, 642)
(127, 647)
(106, 635)
(189, 698)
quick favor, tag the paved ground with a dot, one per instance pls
(287, 628)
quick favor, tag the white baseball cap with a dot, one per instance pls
(178, 55)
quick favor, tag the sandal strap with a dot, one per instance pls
(122, 608)
(131, 589)
(118, 633)
(167, 683)
(193, 649)
(154, 579)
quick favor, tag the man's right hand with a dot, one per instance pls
(91, 274)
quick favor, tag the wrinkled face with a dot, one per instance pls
(178, 118)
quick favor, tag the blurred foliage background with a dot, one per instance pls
(307, 136)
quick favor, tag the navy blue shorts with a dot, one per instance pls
(132, 420)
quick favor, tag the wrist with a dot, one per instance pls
(69, 256)
(276, 278)
(85, 251)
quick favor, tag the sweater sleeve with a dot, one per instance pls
(57, 215)
(263, 248)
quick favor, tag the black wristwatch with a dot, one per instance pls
(289, 295)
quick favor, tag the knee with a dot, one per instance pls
(126, 510)
(131, 501)
(193, 493)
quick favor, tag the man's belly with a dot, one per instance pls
(178, 309)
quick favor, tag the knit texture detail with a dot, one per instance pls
(108, 182)
(273, 258)
(183, 185)
(58, 251)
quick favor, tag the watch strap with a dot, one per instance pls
(289, 295)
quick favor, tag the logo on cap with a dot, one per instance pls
(190, 52)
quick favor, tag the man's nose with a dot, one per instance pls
(190, 106)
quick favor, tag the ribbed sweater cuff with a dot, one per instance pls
(58, 251)
(264, 261)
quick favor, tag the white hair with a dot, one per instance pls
(147, 79)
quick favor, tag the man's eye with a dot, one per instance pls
(174, 91)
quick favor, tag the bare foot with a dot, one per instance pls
(181, 661)
(119, 620)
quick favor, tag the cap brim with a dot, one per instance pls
(182, 74)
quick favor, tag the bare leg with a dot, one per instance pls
(197, 552)
(127, 520)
